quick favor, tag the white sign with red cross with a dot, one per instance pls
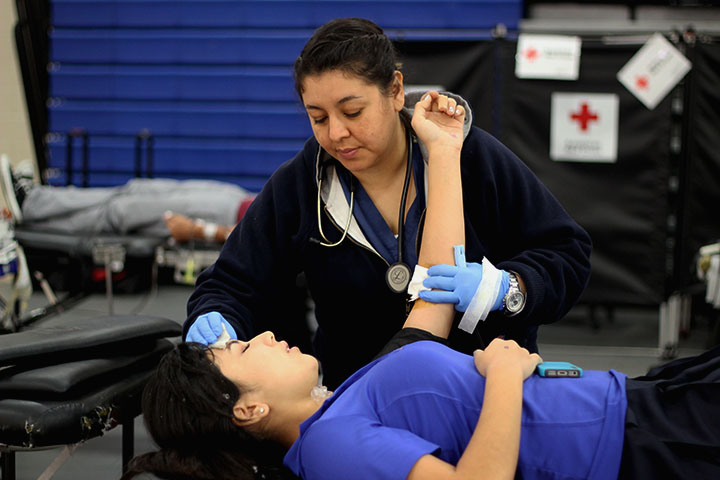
(555, 57)
(654, 70)
(584, 127)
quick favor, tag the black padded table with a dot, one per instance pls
(69, 380)
(69, 262)
(73, 244)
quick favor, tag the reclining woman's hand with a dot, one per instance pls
(506, 355)
(438, 122)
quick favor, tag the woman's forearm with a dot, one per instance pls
(492, 452)
(493, 448)
(444, 222)
(444, 227)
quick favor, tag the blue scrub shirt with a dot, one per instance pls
(373, 225)
(425, 398)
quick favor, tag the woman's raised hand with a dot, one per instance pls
(506, 354)
(438, 121)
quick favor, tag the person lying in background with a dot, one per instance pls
(184, 209)
(422, 410)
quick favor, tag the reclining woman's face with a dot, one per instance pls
(265, 365)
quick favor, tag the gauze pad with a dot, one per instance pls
(222, 340)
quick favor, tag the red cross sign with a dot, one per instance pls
(584, 116)
(642, 82)
(531, 53)
(584, 127)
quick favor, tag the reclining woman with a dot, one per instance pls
(423, 411)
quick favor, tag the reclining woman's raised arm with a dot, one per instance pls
(494, 446)
(438, 122)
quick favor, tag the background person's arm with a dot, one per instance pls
(183, 229)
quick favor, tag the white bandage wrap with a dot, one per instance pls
(209, 231)
(712, 292)
(222, 339)
(485, 297)
(416, 282)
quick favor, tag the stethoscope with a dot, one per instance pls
(397, 275)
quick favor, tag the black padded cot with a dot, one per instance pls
(66, 381)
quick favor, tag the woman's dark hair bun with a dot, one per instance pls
(353, 45)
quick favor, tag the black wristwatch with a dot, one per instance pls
(514, 300)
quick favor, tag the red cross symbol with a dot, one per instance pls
(584, 116)
(531, 54)
(642, 82)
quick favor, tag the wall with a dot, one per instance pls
(15, 136)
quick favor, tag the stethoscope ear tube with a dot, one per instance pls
(328, 243)
(394, 275)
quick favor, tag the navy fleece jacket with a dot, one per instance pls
(510, 217)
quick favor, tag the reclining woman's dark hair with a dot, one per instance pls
(353, 45)
(188, 409)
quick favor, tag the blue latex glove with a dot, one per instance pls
(207, 328)
(458, 284)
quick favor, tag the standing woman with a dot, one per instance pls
(348, 211)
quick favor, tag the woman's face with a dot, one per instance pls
(353, 120)
(267, 365)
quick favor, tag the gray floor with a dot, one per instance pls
(627, 342)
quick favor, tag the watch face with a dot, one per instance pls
(515, 302)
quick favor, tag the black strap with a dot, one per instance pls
(407, 336)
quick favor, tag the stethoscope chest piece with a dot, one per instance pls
(398, 277)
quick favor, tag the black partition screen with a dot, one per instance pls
(623, 205)
(699, 214)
